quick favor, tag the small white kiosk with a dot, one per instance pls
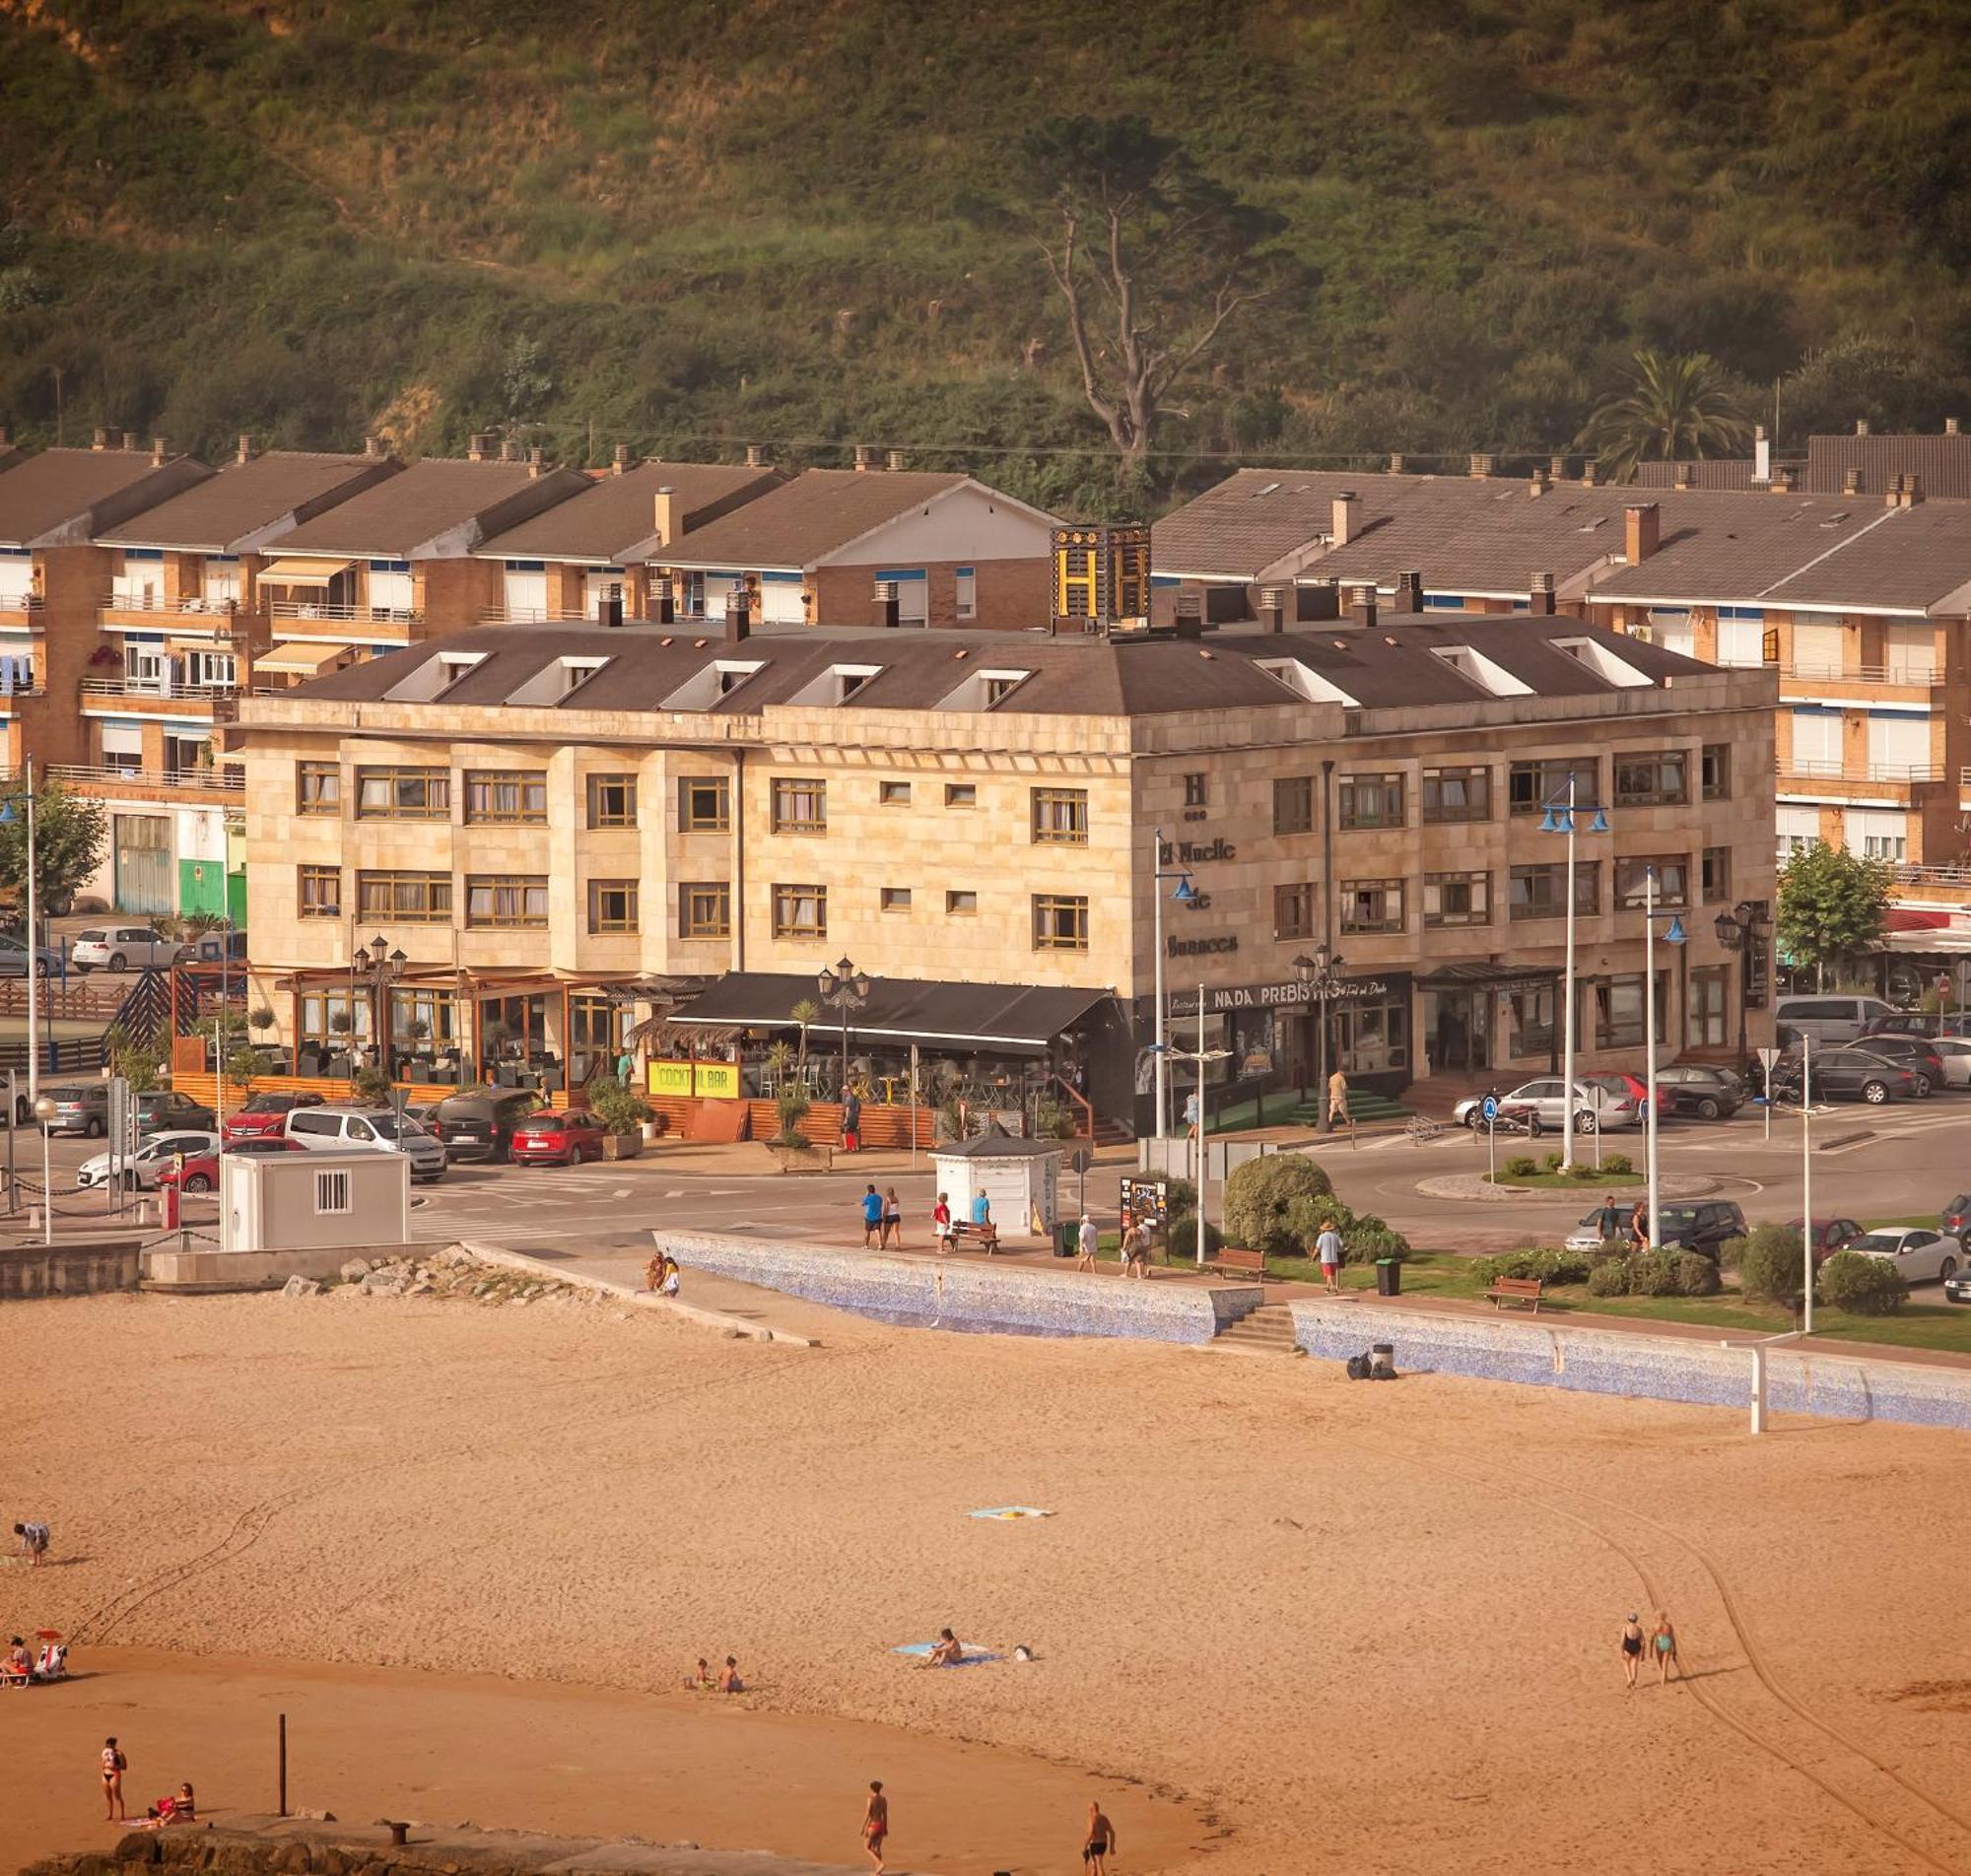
(313, 1201)
(1019, 1178)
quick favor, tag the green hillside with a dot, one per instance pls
(687, 224)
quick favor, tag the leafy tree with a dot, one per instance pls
(138, 1060)
(1772, 1264)
(71, 833)
(1678, 405)
(1832, 905)
(1863, 1285)
(1151, 259)
(1260, 1209)
(1894, 385)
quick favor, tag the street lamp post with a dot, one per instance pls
(1559, 810)
(1183, 894)
(1675, 935)
(842, 989)
(1322, 973)
(7, 815)
(382, 970)
(1739, 930)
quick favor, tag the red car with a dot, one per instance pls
(201, 1170)
(557, 1139)
(263, 1115)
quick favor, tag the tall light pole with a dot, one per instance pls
(8, 816)
(1675, 935)
(1322, 973)
(382, 967)
(1559, 811)
(1183, 894)
(843, 988)
(1739, 930)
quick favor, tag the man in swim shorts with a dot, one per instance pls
(1100, 1840)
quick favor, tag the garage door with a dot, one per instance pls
(526, 594)
(144, 880)
(780, 599)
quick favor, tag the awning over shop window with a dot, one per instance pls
(302, 573)
(1007, 1017)
(306, 660)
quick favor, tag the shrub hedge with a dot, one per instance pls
(1863, 1285)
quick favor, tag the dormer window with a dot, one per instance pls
(1603, 662)
(984, 690)
(1306, 682)
(435, 677)
(556, 682)
(717, 680)
(837, 685)
(1487, 674)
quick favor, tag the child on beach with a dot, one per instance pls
(728, 1679)
(941, 1221)
(700, 1680)
(947, 1652)
(876, 1822)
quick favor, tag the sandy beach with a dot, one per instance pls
(1314, 1624)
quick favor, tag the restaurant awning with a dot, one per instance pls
(308, 660)
(302, 573)
(1006, 1017)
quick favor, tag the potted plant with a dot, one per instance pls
(262, 1019)
(790, 1151)
(621, 1109)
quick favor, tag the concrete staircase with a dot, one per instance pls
(1268, 1330)
(1363, 1104)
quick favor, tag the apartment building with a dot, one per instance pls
(855, 547)
(562, 829)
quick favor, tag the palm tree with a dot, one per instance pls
(1677, 407)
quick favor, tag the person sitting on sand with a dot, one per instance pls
(729, 1678)
(19, 1660)
(669, 1278)
(947, 1652)
(178, 1808)
(700, 1679)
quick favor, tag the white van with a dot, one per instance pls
(1829, 1018)
(368, 1129)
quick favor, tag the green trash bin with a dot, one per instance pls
(1388, 1277)
(1067, 1239)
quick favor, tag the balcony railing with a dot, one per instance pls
(195, 603)
(193, 775)
(21, 602)
(1913, 672)
(156, 687)
(310, 609)
(1807, 769)
(1909, 873)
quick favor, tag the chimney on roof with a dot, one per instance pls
(158, 450)
(372, 447)
(1590, 473)
(248, 449)
(100, 439)
(1190, 614)
(1409, 592)
(481, 442)
(660, 606)
(1362, 604)
(663, 507)
(6, 436)
(865, 457)
(1272, 609)
(130, 441)
(510, 451)
(1482, 466)
(1851, 482)
(1395, 463)
(739, 616)
(1343, 528)
(1950, 425)
(886, 605)
(1541, 600)
(1783, 481)
(1912, 489)
(1536, 484)
(1319, 599)
(1640, 531)
(1557, 468)
(1860, 426)
(1684, 475)
(755, 457)
(619, 459)
(536, 462)
(894, 461)
(1762, 454)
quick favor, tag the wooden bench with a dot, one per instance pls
(1248, 1263)
(1525, 1290)
(964, 1232)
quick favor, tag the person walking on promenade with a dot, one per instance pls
(1663, 1644)
(1089, 1242)
(1338, 1105)
(872, 1220)
(851, 1122)
(1328, 1248)
(893, 1220)
(1632, 1647)
(940, 1222)
(875, 1824)
(115, 1766)
(1097, 1844)
(981, 1216)
(1639, 1226)
(1609, 1221)
(1193, 1111)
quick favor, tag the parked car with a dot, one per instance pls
(1701, 1227)
(1921, 1254)
(1957, 1289)
(1930, 1023)
(557, 1139)
(14, 957)
(1623, 1086)
(123, 948)
(477, 1123)
(141, 1169)
(1954, 1053)
(265, 1114)
(1956, 1219)
(1829, 1235)
(1917, 1053)
(1845, 1074)
(323, 1128)
(201, 1170)
(80, 1108)
(1829, 1018)
(165, 1107)
(1696, 1088)
(1595, 1108)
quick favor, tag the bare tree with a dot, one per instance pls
(1151, 259)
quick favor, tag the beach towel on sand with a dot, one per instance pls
(974, 1655)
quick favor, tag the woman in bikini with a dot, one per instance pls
(1663, 1644)
(875, 1824)
(1632, 1647)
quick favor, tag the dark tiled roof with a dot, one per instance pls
(810, 516)
(1715, 472)
(1913, 560)
(618, 512)
(242, 499)
(1257, 516)
(60, 487)
(1943, 462)
(430, 498)
(1734, 548)
(1393, 663)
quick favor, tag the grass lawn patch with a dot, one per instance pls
(1590, 1179)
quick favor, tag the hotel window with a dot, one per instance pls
(1717, 771)
(1458, 898)
(893, 794)
(404, 794)
(1717, 874)
(1368, 801)
(704, 806)
(1196, 791)
(895, 898)
(513, 901)
(961, 905)
(1672, 880)
(705, 909)
(1531, 786)
(612, 802)
(612, 905)
(1372, 905)
(404, 899)
(1060, 923)
(511, 796)
(212, 670)
(961, 794)
(800, 911)
(320, 895)
(1060, 817)
(1458, 794)
(1540, 891)
(1293, 804)
(318, 787)
(966, 582)
(1618, 1010)
(321, 1010)
(1293, 911)
(1706, 1013)
(800, 807)
(1653, 781)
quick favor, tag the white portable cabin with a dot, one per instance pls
(313, 1201)
(1021, 1179)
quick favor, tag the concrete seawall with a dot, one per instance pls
(1542, 1353)
(957, 1293)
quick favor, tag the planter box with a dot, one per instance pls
(622, 1146)
(803, 1158)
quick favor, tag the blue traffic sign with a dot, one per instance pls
(1489, 1107)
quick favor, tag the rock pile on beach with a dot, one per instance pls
(451, 1274)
